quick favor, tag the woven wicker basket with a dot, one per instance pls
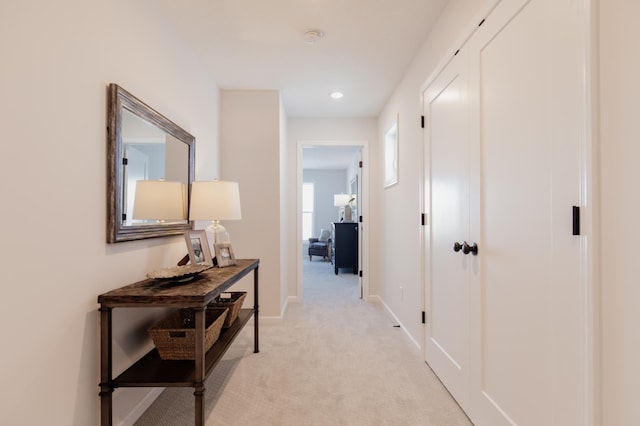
(234, 304)
(175, 335)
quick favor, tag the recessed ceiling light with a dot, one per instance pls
(336, 95)
(312, 36)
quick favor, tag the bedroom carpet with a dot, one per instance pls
(333, 360)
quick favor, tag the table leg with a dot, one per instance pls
(256, 310)
(200, 355)
(106, 382)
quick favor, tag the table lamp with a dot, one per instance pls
(342, 201)
(160, 200)
(215, 201)
(164, 201)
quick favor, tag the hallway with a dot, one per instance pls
(333, 360)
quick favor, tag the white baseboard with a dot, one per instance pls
(265, 320)
(140, 408)
(293, 299)
(378, 299)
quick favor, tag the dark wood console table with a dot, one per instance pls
(150, 370)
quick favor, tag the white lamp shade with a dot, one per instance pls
(215, 200)
(159, 200)
(341, 200)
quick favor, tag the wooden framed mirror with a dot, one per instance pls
(142, 145)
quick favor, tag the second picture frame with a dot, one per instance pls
(224, 254)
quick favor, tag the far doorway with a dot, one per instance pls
(331, 199)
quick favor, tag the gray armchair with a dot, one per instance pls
(320, 246)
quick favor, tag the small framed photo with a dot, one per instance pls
(224, 254)
(198, 247)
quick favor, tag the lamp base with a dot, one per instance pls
(348, 217)
(216, 234)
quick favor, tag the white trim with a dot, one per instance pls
(293, 299)
(396, 320)
(459, 44)
(299, 180)
(364, 267)
(269, 320)
(285, 305)
(140, 408)
(590, 218)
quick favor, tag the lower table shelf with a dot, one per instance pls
(152, 371)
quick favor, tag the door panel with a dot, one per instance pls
(515, 219)
(504, 159)
(525, 183)
(447, 339)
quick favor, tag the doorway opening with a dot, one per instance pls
(332, 199)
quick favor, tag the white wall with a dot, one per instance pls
(397, 247)
(620, 204)
(349, 131)
(250, 155)
(57, 60)
(326, 184)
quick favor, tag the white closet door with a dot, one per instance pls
(447, 157)
(527, 301)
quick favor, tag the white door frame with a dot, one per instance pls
(362, 210)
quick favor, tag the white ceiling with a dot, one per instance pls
(259, 44)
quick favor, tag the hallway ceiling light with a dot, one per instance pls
(312, 36)
(336, 95)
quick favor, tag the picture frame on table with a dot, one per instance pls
(224, 254)
(198, 247)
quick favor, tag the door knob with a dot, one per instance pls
(457, 246)
(466, 248)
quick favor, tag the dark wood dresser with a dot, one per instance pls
(344, 252)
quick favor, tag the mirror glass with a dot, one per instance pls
(143, 145)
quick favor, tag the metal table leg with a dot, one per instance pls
(256, 310)
(106, 382)
(200, 353)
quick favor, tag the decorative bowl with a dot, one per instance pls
(179, 272)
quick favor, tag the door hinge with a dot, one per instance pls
(423, 219)
(424, 317)
(360, 164)
(481, 22)
(360, 273)
(422, 121)
(124, 217)
(576, 220)
(125, 161)
(360, 219)
(457, 51)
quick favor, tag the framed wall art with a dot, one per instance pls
(391, 155)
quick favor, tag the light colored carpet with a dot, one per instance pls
(334, 360)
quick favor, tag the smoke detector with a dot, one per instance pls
(313, 36)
